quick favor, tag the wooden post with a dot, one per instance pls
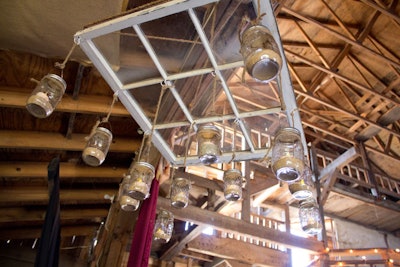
(246, 203)
(314, 168)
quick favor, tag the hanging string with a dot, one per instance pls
(61, 66)
(164, 85)
(292, 116)
(105, 119)
(259, 17)
(233, 144)
(214, 92)
(187, 143)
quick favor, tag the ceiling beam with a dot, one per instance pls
(35, 232)
(340, 36)
(341, 77)
(68, 171)
(57, 141)
(86, 104)
(224, 223)
(228, 248)
(39, 196)
(21, 215)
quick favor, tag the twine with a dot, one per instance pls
(105, 119)
(61, 66)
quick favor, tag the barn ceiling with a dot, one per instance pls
(343, 60)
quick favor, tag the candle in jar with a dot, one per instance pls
(128, 204)
(179, 200)
(233, 192)
(139, 189)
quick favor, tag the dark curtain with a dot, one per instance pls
(49, 243)
(143, 234)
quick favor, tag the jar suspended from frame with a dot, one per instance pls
(126, 202)
(46, 95)
(304, 187)
(142, 174)
(97, 147)
(180, 189)
(164, 226)
(260, 53)
(208, 143)
(288, 155)
(233, 184)
(310, 219)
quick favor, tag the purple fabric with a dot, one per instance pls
(143, 234)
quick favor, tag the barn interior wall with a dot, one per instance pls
(353, 236)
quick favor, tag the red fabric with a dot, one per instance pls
(143, 234)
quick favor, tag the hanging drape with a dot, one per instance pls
(143, 234)
(49, 243)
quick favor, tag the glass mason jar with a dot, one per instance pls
(288, 155)
(304, 187)
(233, 184)
(142, 174)
(97, 147)
(164, 226)
(126, 202)
(260, 53)
(310, 219)
(208, 143)
(46, 95)
(180, 192)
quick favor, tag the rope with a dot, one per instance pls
(187, 143)
(233, 144)
(61, 66)
(105, 119)
(164, 86)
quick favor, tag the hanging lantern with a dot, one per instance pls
(180, 192)
(209, 142)
(164, 226)
(233, 184)
(126, 202)
(142, 174)
(302, 188)
(310, 219)
(46, 95)
(288, 155)
(97, 147)
(260, 52)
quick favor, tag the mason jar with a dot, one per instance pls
(127, 203)
(287, 155)
(46, 95)
(164, 226)
(233, 184)
(260, 53)
(97, 147)
(142, 174)
(180, 192)
(304, 187)
(310, 219)
(208, 143)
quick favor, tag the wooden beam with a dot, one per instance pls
(343, 159)
(47, 140)
(35, 232)
(86, 104)
(340, 36)
(40, 196)
(229, 224)
(227, 248)
(68, 171)
(370, 175)
(356, 194)
(25, 215)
